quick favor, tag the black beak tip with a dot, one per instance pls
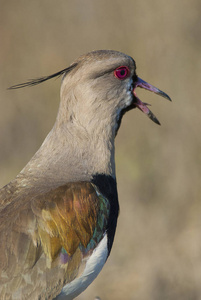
(169, 98)
(165, 96)
(153, 118)
(156, 121)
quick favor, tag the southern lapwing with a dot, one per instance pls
(58, 216)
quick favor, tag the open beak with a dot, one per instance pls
(143, 106)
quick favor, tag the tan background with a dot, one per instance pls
(157, 249)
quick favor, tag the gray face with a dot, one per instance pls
(100, 70)
(103, 81)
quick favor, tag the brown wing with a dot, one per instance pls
(41, 237)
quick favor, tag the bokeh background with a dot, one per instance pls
(157, 249)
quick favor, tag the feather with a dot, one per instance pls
(32, 82)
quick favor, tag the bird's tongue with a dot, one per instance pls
(143, 106)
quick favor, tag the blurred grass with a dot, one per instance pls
(157, 249)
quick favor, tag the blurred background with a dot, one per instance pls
(157, 250)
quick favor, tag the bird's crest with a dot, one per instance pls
(32, 82)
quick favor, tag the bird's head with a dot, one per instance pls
(100, 85)
(103, 85)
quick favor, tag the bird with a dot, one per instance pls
(58, 216)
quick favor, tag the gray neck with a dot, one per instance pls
(71, 152)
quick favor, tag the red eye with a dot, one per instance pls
(122, 72)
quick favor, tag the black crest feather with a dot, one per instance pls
(32, 82)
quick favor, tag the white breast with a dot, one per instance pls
(93, 267)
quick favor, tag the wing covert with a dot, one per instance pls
(66, 217)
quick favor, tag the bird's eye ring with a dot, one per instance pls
(122, 72)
